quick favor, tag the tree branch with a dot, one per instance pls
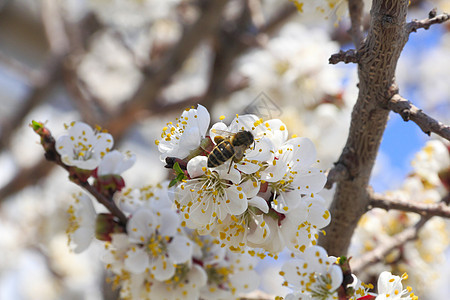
(388, 202)
(376, 255)
(355, 8)
(426, 23)
(410, 112)
(54, 27)
(31, 76)
(158, 76)
(349, 56)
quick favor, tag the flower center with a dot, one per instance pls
(82, 151)
(157, 245)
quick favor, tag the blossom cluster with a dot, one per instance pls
(315, 275)
(427, 183)
(267, 200)
(156, 258)
(168, 257)
(199, 236)
(152, 256)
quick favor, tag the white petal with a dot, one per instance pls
(180, 249)
(162, 268)
(115, 162)
(318, 215)
(234, 175)
(310, 181)
(260, 203)
(189, 140)
(243, 122)
(258, 232)
(203, 119)
(137, 260)
(82, 238)
(245, 281)
(169, 222)
(275, 171)
(278, 130)
(304, 150)
(251, 187)
(237, 203)
(264, 150)
(336, 276)
(248, 167)
(141, 226)
(195, 166)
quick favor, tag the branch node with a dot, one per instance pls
(432, 14)
(349, 56)
(338, 173)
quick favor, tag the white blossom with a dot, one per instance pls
(163, 245)
(115, 162)
(390, 288)
(314, 274)
(179, 139)
(83, 147)
(290, 174)
(81, 228)
(207, 200)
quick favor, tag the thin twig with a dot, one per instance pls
(376, 255)
(25, 177)
(77, 177)
(31, 76)
(410, 112)
(388, 202)
(426, 23)
(279, 18)
(35, 97)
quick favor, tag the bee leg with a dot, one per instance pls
(231, 163)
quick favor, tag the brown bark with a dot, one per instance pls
(377, 60)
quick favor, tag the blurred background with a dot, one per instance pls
(130, 66)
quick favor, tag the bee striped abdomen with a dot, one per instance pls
(220, 154)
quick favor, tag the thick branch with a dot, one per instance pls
(355, 8)
(54, 27)
(378, 56)
(231, 44)
(426, 23)
(385, 248)
(349, 56)
(410, 112)
(387, 202)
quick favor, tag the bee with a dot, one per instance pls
(231, 146)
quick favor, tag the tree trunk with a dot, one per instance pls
(377, 60)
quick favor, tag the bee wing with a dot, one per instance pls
(218, 135)
(224, 133)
